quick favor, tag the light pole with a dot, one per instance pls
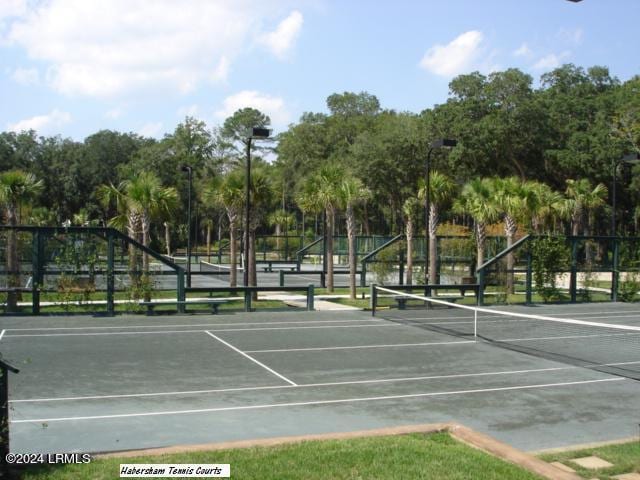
(631, 159)
(440, 143)
(189, 170)
(257, 133)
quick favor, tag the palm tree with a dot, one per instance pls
(351, 191)
(410, 210)
(584, 200)
(512, 199)
(476, 200)
(441, 189)
(321, 192)
(260, 196)
(282, 220)
(139, 201)
(544, 206)
(16, 189)
(228, 191)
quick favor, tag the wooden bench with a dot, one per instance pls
(402, 300)
(213, 303)
(279, 265)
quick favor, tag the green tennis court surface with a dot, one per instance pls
(101, 384)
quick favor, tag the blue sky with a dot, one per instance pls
(73, 67)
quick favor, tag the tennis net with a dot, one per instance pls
(214, 268)
(607, 347)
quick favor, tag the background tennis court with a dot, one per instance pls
(103, 384)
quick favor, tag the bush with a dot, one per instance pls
(550, 256)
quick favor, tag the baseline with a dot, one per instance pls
(319, 402)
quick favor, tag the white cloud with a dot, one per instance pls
(551, 61)
(12, 8)
(281, 40)
(572, 36)
(272, 106)
(103, 49)
(42, 123)
(523, 51)
(151, 129)
(26, 76)
(114, 113)
(459, 56)
(189, 111)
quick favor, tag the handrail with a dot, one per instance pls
(503, 253)
(365, 259)
(381, 247)
(304, 249)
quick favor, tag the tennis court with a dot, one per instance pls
(103, 384)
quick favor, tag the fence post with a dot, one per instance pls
(573, 276)
(36, 271)
(363, 275)
(615, 274)
(528, 278)
(373, 299)
(110, 273)
(481, 281)
(310, 299)
(247, 300)
(181, 291)
(5, 368)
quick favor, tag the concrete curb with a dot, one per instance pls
(461, 433)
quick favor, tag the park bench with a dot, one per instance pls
(270, 265)
(402, 300)
(213, 303)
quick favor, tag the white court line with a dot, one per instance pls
(355, 347)
(317, 402)
(2, 334)
(251, 358)
(308, 385)
(237, 324)
(384, 325)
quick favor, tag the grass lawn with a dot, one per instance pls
(625, 458)
(415, 456)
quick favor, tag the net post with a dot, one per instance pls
(310, 295)
(475, 324)
(373, 299)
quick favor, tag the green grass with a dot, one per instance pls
(625, 458)
(416, 456)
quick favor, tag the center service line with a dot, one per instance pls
(252, 359)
